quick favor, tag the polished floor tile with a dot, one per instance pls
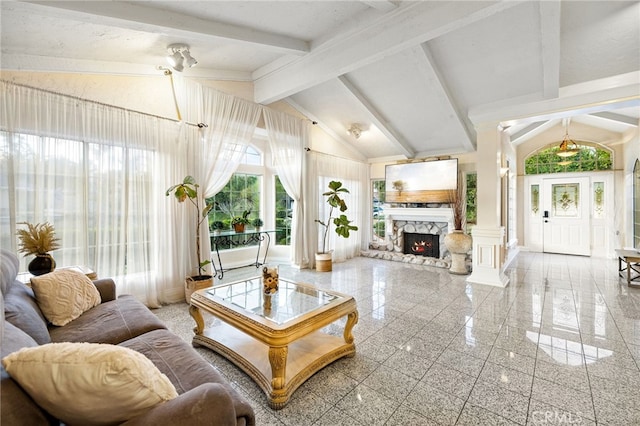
(559, 345)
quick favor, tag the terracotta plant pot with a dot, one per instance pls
(238, 227)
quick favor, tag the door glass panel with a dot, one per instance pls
(598, 200)
(565, 199)
(535, 200)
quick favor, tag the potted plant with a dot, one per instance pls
(217, 226)
(239, 222)
(342, 224)
(188, 190)
(457, 241)
(257, 223)
(38, 240)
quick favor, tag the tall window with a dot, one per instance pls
(242, 193)
(94, 195)
(636, 204)
(283, 214)
(378, 191)
(472, 198)
(590, 157)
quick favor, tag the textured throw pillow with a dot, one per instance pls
(63, 295)
(89, 383)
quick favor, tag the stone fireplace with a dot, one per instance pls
(425, 225)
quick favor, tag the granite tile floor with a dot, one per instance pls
(559, 345)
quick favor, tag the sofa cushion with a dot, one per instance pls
(17, 408)
(185, 367)
(9, 266)
(64, 295)
(89, 383)
(21, 310)
(110, 322)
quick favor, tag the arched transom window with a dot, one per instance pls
(590, 157)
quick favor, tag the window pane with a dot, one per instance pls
(598, 200)
(378, 191)
(283, 214)
(590, 157)
(472, 197)
(535, 200)
(566, 200)
(240, 194)
(252, 157)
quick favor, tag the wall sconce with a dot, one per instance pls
(355, 130)
(179, 56)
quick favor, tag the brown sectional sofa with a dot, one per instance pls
(205, 397)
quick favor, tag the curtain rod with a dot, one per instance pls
(102, 103)
(313, 151)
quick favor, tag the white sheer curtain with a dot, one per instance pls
(355, 177)
(228, 124)
(288, 136)
(95, 173)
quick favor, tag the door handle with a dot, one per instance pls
(546, 221)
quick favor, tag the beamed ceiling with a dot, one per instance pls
(419, 77)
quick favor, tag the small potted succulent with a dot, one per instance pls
(39, 240)
(257, 223)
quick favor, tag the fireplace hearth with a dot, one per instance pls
(427, 245)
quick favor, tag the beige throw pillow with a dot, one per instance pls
(89, 383)
(63, 295)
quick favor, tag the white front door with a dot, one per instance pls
(565, 216)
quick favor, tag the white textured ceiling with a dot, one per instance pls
(418, 76)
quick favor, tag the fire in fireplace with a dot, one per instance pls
(427, 245)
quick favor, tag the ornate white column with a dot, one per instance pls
(488, 235)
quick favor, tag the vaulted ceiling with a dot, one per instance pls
(418, 77)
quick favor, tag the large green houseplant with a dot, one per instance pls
(342, 224)
(188, 190)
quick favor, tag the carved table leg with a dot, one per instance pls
(278, 361)
(197, 316)
(352, 319)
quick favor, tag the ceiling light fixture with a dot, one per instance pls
(179, 56)
(355, 130)
(567, 148)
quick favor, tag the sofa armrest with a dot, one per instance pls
(107, 289)
(206, 404)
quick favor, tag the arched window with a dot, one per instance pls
(590, 157)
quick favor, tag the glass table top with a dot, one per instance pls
(289, 302)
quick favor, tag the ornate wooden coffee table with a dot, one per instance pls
(274, 339)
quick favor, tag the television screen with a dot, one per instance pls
(425, 182)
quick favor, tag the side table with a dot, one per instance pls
(25, 277)
(631, 258)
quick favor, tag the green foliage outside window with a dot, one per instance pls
(589, 158)
(378, 219)
(472, 198)
(241, 193)
(284, 212)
